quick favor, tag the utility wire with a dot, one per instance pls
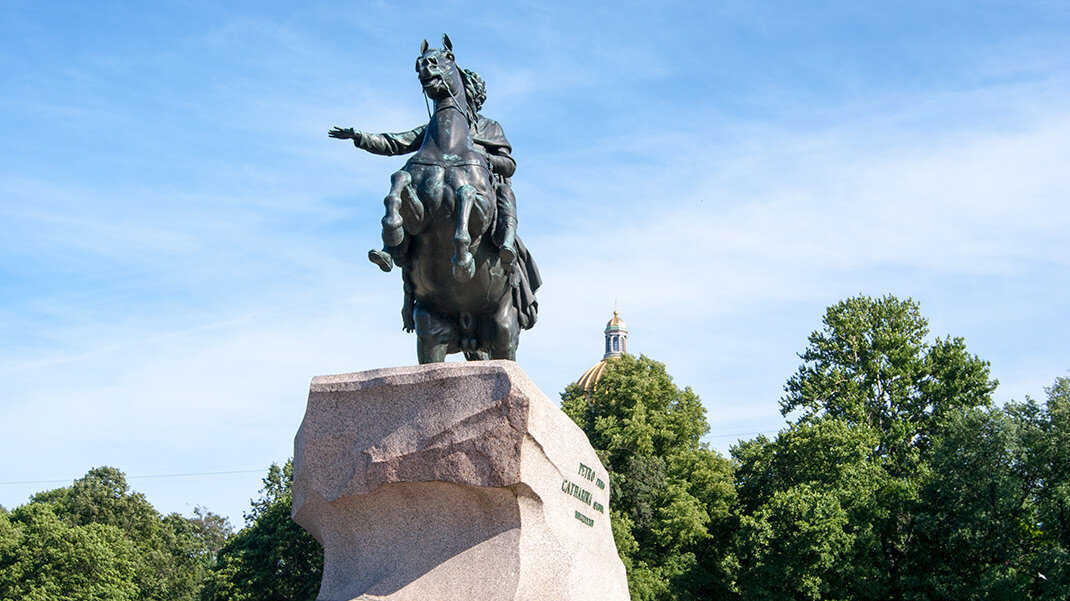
(262, 471)
(144, 477)
(742, 434)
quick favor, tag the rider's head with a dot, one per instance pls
(474, 89)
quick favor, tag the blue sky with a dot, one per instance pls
(182, 247)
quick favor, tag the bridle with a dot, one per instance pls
(455, 105)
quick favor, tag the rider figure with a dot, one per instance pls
(489, 140)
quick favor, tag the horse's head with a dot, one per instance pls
(439, 74)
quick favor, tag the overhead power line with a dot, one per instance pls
(142, 477)
(742, 434)
(187, 475)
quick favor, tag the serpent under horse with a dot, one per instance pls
(443, 199)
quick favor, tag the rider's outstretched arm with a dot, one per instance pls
(391, 144)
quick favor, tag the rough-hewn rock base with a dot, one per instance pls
(452, 481)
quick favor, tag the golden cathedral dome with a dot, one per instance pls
(616, 345)
(590, 377)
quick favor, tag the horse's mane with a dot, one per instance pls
(475, 90)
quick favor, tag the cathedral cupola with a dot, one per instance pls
(616, 345)
(616, 337)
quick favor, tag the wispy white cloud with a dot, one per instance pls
(168, 297)
(720, 264)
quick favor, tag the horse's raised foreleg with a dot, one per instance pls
(464, 266)
(412, 210)
(402, 198)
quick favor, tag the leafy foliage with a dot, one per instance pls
(96, 539)
(45, 558)
(272, 558)
(995, 517)
(895, 478)
(831, 502)
(870, 365)
(671, 496)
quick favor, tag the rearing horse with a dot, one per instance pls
(443, 200)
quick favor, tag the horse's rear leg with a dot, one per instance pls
(435, 336)
(401, 199)
(464, 266)
(503, 331)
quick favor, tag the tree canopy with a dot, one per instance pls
(835, 499)
(994, 521)
(671, 495)
(271, 558)
(97, 539)
(894, 478)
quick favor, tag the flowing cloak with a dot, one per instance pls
(489, 137)
(526, 280)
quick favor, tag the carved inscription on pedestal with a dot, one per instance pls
(586, 495)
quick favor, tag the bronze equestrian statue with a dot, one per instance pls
(450, 222)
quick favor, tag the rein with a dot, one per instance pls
(456, 108)
(467, 119)
(456, 103)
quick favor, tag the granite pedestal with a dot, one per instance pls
(452, 481)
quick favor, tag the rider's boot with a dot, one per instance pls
(508, 249)
(507, 226)
(390, 256)
(381, 258)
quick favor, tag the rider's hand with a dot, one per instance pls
(343, 134)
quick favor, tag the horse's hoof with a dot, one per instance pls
(393, 236)
(464, 269)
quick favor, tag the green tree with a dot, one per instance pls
(994, 521)
(174, 552)
(272, 558)
(973, 526)
(102, 496)
(808, 503)
(44, 558)
(671, 496)
(1048, 442)
(121, 537)
(832, 499)
(870, 365)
